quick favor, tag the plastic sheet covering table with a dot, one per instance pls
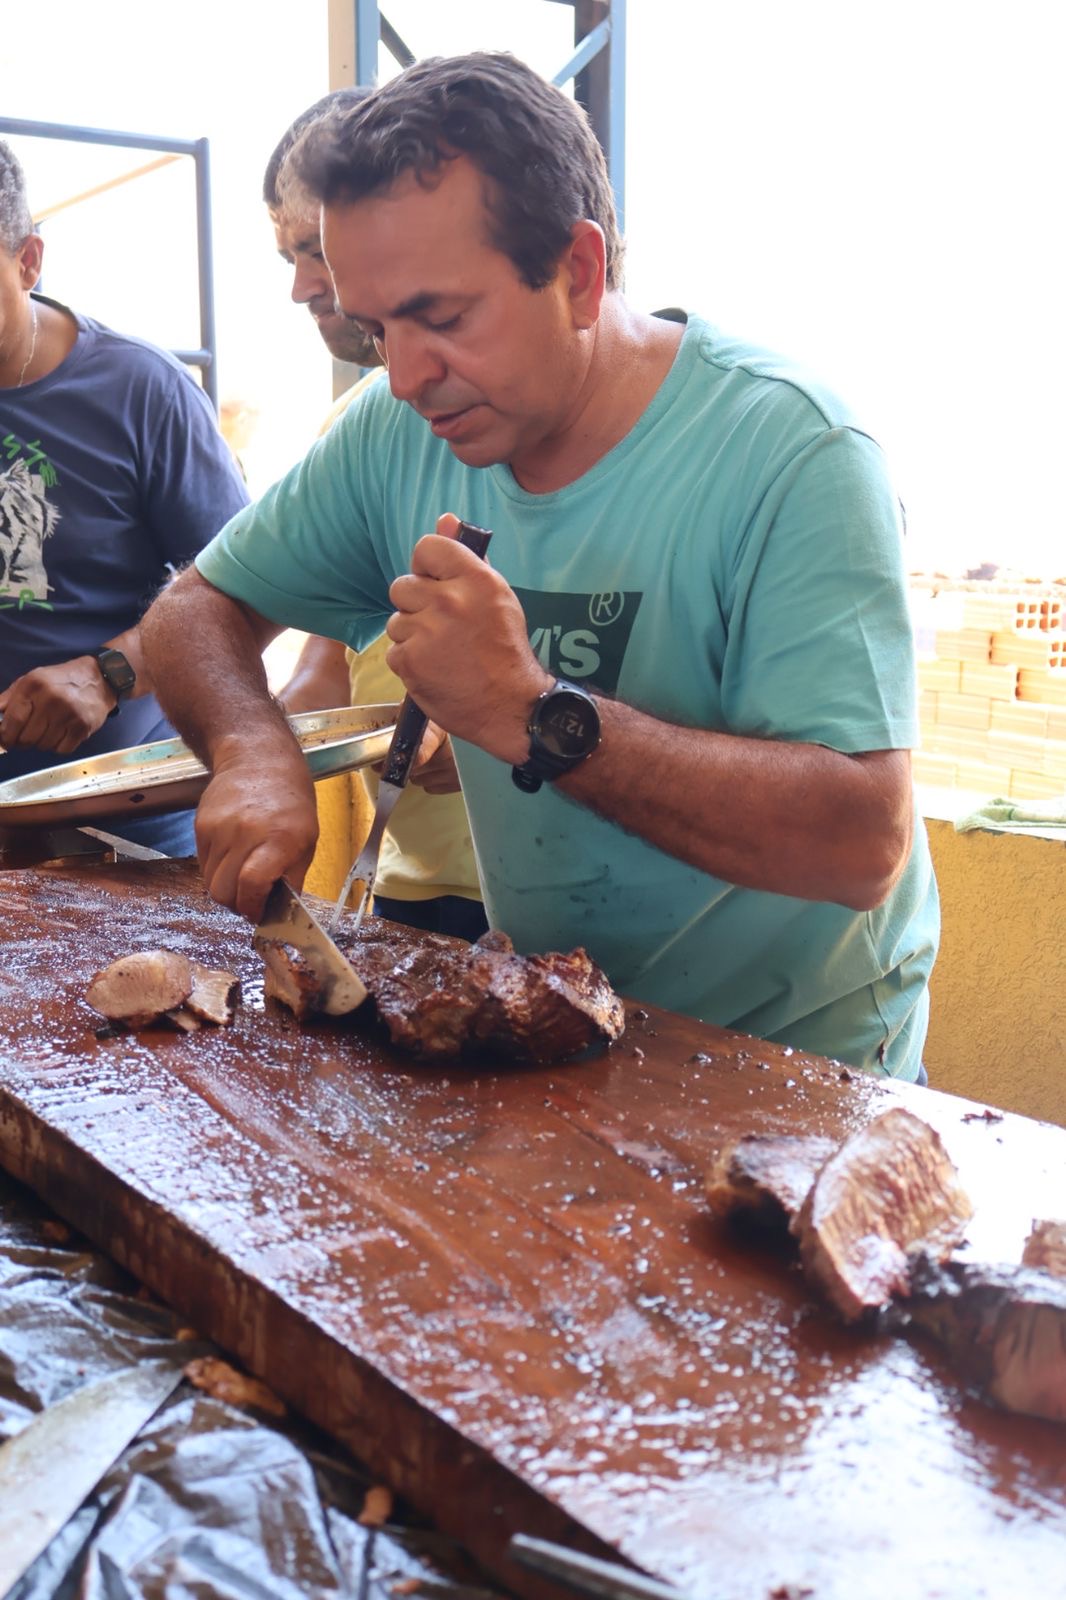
(500, 1287)
(210, 1498)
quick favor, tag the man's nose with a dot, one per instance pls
(310, 282)
(412, 363)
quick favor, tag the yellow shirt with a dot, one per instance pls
(427, 850)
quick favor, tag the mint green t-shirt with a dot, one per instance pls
(734, 563)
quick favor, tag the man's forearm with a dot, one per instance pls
(320, 678)
(203, 652)
(794, 819)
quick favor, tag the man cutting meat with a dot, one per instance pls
(681, 695)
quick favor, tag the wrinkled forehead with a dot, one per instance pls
(297, 231)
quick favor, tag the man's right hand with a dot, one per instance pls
(256, 823)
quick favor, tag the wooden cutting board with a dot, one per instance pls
(501, 1287)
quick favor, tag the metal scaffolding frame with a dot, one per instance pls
(597, 66)
(206, 357)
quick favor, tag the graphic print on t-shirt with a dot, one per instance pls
(26, 521)
(582, 637)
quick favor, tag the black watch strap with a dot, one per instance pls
(564, 730)
(117, 673)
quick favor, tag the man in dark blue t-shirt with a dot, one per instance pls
(113, 474)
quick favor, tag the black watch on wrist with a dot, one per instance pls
(116, 673)
(564, 728)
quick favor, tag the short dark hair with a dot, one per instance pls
(336, 100)
(16, 223)
(537, 147)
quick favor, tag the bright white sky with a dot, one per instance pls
(874, 188)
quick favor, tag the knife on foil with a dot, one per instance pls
(411, 723)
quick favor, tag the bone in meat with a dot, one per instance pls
(1004, 1328)
(764, 1178)
(289, 978)
(889, 1190)
(137, 989)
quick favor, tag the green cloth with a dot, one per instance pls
(1003, 816)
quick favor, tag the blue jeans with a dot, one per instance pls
(173, 834)
(448, 913)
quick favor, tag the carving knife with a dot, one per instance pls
(287, 920)
(55, 1463)
(586, 1574)
(411, 723)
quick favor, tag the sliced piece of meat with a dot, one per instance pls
(1004, 1328)
(1045, 1247)
(889, 1190)
(214, 994)
(765, 1177)
(137, 989)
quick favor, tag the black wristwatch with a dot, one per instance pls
(564, 728)
(116, 673)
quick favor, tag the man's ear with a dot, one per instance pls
(30, 256)
(586, 259)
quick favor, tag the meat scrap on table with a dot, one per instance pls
(877, 1218)
(150, 986)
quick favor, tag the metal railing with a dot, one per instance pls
(597, 67)
(206, 357)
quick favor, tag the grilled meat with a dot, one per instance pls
(137, 989)
(141, 989)
(1003, 1327)
(765, 1178)
(889, 1190)
(441, 998)
(1045, 1248)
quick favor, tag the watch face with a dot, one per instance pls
(116, 670)
(567, 725)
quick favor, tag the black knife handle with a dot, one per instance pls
(411, 719)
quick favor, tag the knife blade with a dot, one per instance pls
(586, 1574)
(411, 723)
(287, 920)
(55, 1463)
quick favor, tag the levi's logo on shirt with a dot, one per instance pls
(581, 636)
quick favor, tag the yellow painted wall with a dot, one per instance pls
(343, 821)
(997, 1029)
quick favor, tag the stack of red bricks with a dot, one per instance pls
(993, 698)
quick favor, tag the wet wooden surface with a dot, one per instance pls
(501, 1288)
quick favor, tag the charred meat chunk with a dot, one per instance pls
(764, 1178)
(441, 997)
(1045, 1248)
(1004, 1328)
(891, 1189)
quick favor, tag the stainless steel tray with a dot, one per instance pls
(166, 776)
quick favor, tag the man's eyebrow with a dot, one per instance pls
(413, 306)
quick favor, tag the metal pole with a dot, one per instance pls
(205, 258)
